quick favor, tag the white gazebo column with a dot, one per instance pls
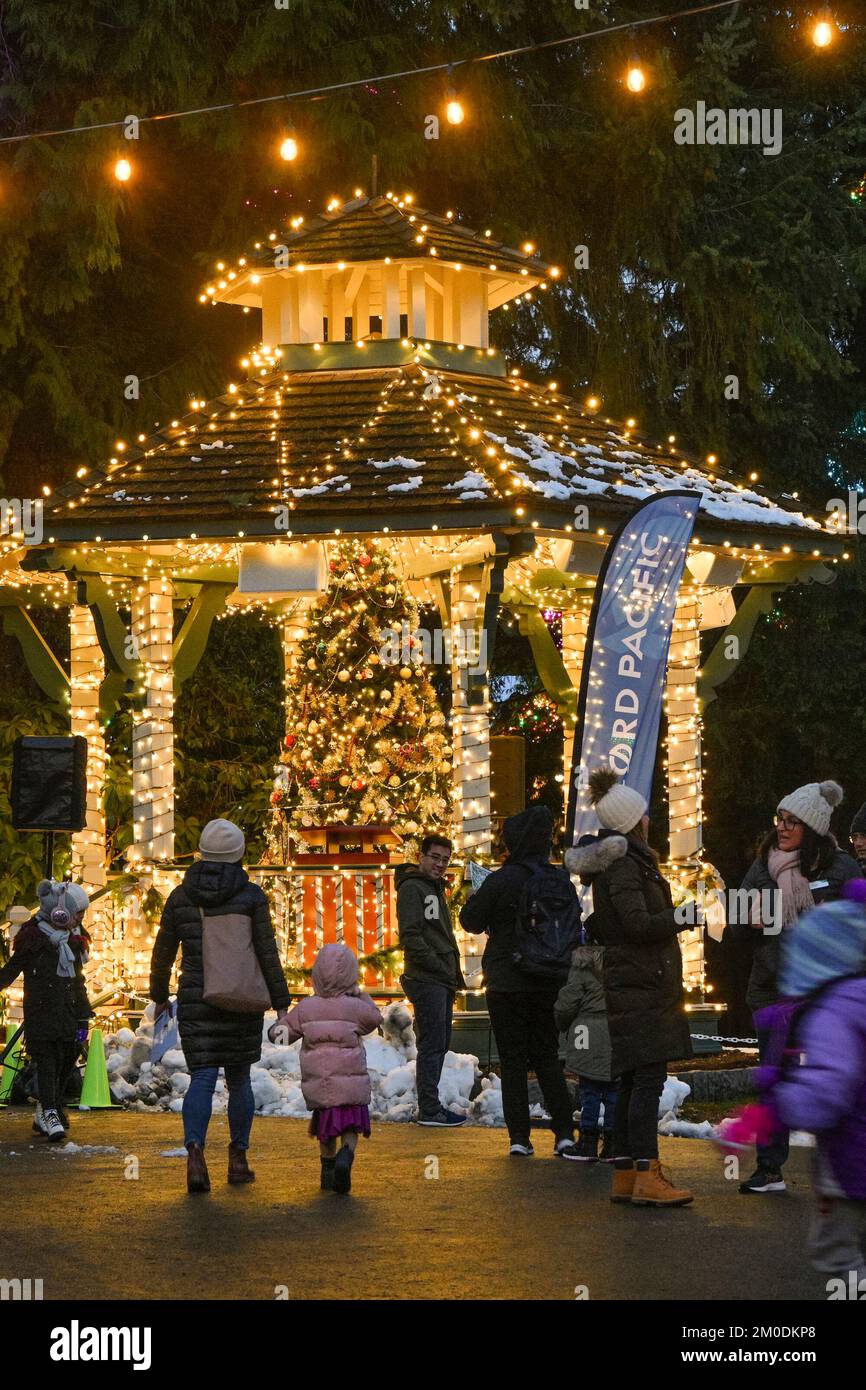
(86, 673)
(295, 625)
(684, 730)
(152, 723)
(470, 723)
(575, 622)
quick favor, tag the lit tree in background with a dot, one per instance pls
(366, 742)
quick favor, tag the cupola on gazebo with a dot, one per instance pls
(376, 407)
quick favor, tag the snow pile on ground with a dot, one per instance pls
(87, 1150)
(276, 1079)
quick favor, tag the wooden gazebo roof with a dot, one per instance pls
(406, 448)
(371, 229)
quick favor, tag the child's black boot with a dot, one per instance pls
(327, 1183)
(343, 1170)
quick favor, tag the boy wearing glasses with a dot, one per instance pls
(432, 973)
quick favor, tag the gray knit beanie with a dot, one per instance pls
(223, 842)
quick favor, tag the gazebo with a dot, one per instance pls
(376, 407)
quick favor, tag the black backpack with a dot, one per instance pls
(548, 922)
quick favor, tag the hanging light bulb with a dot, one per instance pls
(454, 112)
(123, 171)
(635, 78)
(289, 145)
(824, 30)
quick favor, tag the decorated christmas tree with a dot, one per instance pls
(366, 742)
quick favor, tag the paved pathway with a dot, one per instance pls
(488, 1227)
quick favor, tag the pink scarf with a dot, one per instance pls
(796, 895)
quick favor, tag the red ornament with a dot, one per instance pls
(313, 782)
(290, 740)
(365, 560)
(358, 785)
(276, 798)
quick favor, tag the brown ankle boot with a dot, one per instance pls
(239, 1169)
(622, 1185)
(197, 1179)
(653, 1188)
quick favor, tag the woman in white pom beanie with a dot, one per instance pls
(798, 865)
(635, 920)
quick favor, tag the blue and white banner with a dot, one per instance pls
(622, 682)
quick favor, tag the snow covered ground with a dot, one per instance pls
(276, 1080)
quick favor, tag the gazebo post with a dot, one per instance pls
(87, 671)
(153, 723)
(575, 624)
(470, 714)
(684, 733)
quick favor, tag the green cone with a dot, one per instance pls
(95, 1094)
(10, 1066)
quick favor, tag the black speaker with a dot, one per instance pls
(49, 783)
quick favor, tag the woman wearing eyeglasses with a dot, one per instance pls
(799, 864)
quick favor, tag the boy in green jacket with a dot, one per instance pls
(432, 974)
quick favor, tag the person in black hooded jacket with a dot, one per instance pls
(215, 885)
(520, 1007)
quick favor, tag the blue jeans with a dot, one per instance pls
(433, 1006)
(198, 1099)
(594, 1094)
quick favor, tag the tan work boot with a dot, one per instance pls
(653, 1188)
(623, 1184)
(197, 1179)
(239, 1169)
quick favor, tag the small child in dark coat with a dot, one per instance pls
(581, 1015)
(50, 951)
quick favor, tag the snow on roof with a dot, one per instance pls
(326, 486)
(408, 486)
(397, 462)
(631, 474)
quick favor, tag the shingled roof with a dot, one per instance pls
(405, 448)
(369, 229)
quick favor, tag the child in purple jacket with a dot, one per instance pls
(821, 1085)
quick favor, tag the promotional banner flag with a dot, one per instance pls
(620, 701)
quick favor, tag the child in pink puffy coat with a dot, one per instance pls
(334, 1077)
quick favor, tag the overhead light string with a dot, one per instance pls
(446, 67)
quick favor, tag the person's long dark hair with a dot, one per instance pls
(816, 851)
(637, 837)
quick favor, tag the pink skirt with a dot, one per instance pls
(333, 1120)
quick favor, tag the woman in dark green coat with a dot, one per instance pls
(635, 920)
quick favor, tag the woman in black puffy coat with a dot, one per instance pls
(635, 920)
(215, 885)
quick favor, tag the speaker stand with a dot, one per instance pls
(48, 854)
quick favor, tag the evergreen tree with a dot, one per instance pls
(365, 743)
